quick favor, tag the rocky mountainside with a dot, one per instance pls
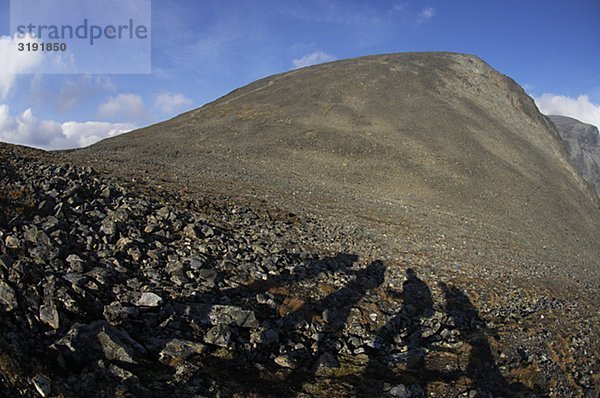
(111, 288)
(400, 226)
(582, 142)
(437, 141)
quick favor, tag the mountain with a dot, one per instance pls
(439, 142)
(582, 142)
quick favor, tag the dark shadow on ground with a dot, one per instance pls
(398, 353)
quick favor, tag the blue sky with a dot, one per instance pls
(203, 49)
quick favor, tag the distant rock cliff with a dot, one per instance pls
(582, 142)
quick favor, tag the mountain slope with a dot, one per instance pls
(438, 141)
(582, 142)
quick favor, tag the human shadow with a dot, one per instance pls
(337, 306)
(406, 348)
(481, 367)
(399, 353)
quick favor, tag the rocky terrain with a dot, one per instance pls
(582, 142)
(113, 288)
(151, 276)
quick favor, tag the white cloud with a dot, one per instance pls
(14, 62)
(81, 134)
(580, 108)
(425, 15)
(123, 107)
(171, 103)
(312, 59)
(26, 129)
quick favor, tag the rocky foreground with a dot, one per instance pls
(112, 288)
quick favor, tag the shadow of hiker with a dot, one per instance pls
(317, 331)
(251, 368)
(417, 303)
(336, 308)
(481, 367)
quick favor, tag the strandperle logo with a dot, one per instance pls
(82, 36)
(86, 31)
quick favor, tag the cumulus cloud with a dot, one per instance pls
(317, 57)
(14, 62)
(123, 107)
(171, 103)
(26, 129)
(580, 108)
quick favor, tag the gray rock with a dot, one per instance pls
(7, 296)
(326, 362)
(231, 315)
(176, 351)
(209, 276)
(400, 391)
(219, 335)
(84, 343)
(582, 142)
(49, 315)
(109, 227)
(117, 312)
(149, 299)
(76, 263)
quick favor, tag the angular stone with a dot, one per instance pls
(177, 351)
(149, 299)
(7, 296)
(285, 361)
(109, 227)
(116, 312)
(86, 343)
(231, 315)
(76, 263)
(219, 335)
(12, 242)
(49, 315)
(190, 231)
(209, 276)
